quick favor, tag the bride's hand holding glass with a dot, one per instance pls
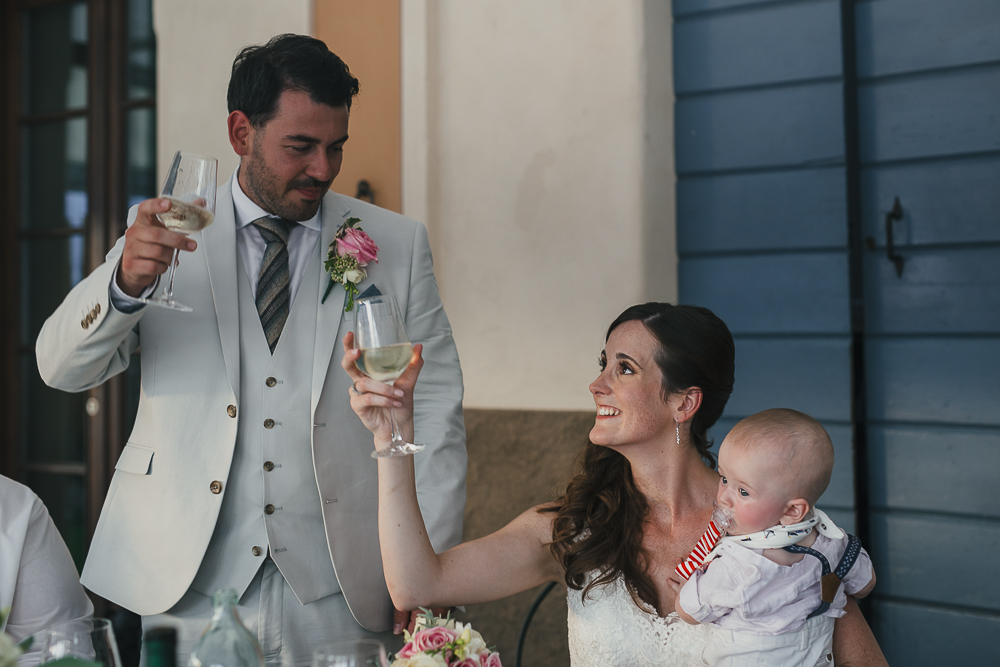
(371, 400)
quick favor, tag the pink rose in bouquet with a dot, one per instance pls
(359, 245)
(433, 638)
(467, 662)
(407, 651)
(491, 660)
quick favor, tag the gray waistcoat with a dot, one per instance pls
(271, 499)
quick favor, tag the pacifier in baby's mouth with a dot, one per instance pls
(722, 518)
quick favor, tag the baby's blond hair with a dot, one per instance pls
(795, 444)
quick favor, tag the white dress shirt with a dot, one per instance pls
(302, 240)
(38, 580)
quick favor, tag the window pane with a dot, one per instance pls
(49, 270)
(54, 173)
(141, 50)
(52, 422)
(55, 58)
(140, 181)
(64, 497)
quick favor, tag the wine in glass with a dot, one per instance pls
(351, 653)
(385, 354)
(190, 189)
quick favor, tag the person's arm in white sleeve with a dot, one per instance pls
(438, 420)
(48, 589)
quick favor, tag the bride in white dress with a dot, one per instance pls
(640, 502)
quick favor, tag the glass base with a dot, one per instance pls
(163, 302)
(399, 449)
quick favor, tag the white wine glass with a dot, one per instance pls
(385, 354)
(351, 653)
(190, 189)
(91, 640)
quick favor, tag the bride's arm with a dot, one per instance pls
(854, 644)
(511, 560)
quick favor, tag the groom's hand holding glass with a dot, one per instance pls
(149, 248)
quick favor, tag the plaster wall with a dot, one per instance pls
(196, 43)
(537, 147)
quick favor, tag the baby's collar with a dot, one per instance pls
(780, 536)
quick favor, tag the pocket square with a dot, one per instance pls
(370, 292)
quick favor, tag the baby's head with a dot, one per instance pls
(774, 466)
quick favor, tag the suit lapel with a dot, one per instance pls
(219, 243)
(329, 315)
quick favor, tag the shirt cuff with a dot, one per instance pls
(124, 303)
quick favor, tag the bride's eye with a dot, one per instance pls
(625, 369)
(602, 362)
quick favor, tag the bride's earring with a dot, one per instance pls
(678, 432)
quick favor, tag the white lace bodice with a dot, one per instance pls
(608, 630)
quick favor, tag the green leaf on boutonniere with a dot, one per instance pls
(329, 288)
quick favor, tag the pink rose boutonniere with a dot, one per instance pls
(349, 253)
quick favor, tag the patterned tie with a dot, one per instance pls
(273, 293)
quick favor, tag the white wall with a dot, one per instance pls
(196, 42)
(537, 147)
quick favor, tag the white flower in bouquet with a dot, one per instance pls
(9, 649)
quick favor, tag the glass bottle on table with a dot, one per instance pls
(226, 642)
(161, 646)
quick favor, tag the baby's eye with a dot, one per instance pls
(743, 492)
(724, 480)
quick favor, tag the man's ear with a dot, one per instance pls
(795, 511)
(241, 133)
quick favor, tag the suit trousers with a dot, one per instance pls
(288, 632)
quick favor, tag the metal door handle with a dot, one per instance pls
(365, 191)
(896, 213)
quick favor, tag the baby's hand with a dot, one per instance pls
(676, 585)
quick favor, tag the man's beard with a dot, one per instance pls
(266, 190)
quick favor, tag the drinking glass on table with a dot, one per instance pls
(385, 354)
(351, 653)
(190, 189)
(91, 640)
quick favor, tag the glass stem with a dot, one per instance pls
(396, 437)
(169, 293)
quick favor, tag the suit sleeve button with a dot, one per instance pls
(270, 382)
(269, 509)
(215, 487)
(84, 323)
(97, 309)
(231, 410)
(268, 423)
(256, 551)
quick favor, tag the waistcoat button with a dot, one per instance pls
(268, 466)
(232, 411)
(215, 487)
(270, 382)
(268, 423)
(256, 551)
(268, 509)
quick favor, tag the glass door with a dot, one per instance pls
(79, 127)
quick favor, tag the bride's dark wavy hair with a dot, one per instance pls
(599, 520)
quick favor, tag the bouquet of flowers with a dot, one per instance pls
(444, 642)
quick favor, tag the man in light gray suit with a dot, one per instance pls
(246, 468)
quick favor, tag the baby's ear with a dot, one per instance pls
(795, 511)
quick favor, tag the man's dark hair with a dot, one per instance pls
(287, 62)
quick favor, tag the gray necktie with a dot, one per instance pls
(273, 293)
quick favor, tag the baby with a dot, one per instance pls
(772, 589)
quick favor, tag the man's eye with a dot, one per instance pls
(300, 149)
(743, 492)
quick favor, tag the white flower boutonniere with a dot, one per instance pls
(346, 259)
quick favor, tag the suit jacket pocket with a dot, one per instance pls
(135, 459)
